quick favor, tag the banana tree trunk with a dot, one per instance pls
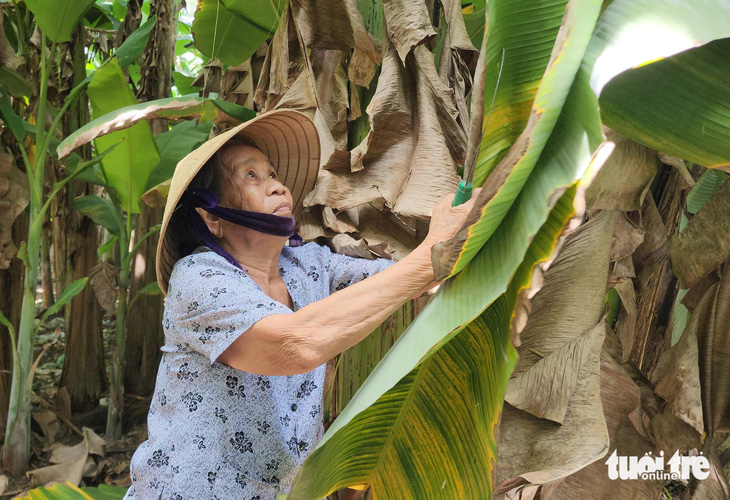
(145, 335)
(144, 327)
(84, 372)
(116, 391)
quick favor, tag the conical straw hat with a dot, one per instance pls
(290, 140)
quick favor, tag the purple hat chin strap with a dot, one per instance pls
(206, 199)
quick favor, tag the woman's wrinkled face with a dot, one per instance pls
(253, 184)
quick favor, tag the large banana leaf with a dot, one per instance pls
(130, 50)
(680, 106)
(629, 33)
(523, 103)
(201, 109)
(446, 408)
(467, 295)
(464, 297)
(475, 22)
(264, 14)
(232, 30)
(174, 145)
(58, 18)
(129, 165)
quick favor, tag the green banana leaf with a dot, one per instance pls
(447, 408)
(707, 185)
(58, 18)
(263, 14)
(69, 293)
(629, 33)
(174, 145)
(233, 30)
(128, 167)
(202, 109)
(132, 47)
(15, 83)
(67, 491)
(680, 106)
(633, 33)
(12, 121)
(522, 102)
(475, 22)
(102, 212)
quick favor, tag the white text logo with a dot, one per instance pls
(652, 467)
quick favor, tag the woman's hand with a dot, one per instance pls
(446, 220)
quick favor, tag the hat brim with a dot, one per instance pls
(290, 140)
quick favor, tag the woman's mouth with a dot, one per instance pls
(282, 207)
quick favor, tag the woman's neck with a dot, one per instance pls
(258, 253)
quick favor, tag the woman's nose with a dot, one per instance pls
(276, 187)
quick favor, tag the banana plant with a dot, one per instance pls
(16, 451)
(408, 433)
(36, 145)
(110, 216)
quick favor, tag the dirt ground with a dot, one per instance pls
(60, 441)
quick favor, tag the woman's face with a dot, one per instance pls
(254, 185)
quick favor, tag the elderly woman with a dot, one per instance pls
(249, 321)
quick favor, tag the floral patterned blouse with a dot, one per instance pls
(215, 431)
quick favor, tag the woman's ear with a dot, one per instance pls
(213, 222)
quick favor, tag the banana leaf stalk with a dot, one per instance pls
(476, 132)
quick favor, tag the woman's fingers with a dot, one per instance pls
(446, 219)
(469, 204)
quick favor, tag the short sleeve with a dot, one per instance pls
(344, 270)
(210, 303)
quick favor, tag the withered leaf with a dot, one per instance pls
(104, 280)
(705, 243)
(623, 181)
(14, 197)
(563, 325)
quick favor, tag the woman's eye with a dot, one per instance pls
(250, 174)
(273, 175)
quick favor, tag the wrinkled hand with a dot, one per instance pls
(446, 220)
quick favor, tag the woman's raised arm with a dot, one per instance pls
(287, 344)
